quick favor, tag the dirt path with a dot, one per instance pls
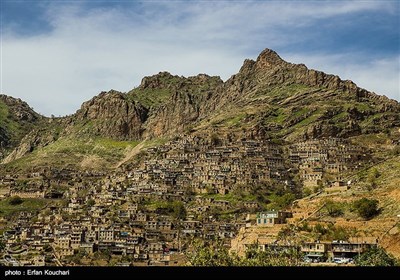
(131, 153)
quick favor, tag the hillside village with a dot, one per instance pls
(150, 211)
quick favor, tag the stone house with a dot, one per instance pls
(273, 217)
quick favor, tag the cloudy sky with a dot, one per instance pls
(57, 54)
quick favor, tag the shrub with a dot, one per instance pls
(334, 209)
(375, 256)
(15, 200)
(216, 254)
(366, 208)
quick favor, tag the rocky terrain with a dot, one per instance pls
(274, 135)
(268, 99)
(16, 120)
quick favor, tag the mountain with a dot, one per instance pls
(205, 156)
(16, 120)
(274, 97)
(268, 99)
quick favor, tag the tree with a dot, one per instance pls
(15, 200)
(320, 229)
(372, 176)
(375, 256)
(178, 210)
(90, 202)
(216, 254)
(366, 208)
(210, 254)
(283, 201)
(334, 209)
(215, 140)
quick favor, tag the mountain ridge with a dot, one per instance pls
(268, 98)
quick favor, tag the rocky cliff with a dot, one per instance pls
(111, 114)
(268, 98)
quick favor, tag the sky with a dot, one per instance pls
(57, 54)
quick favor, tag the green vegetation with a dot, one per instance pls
(332, 232)
(150, 98)
(334, 209)
(3, 112)
(175, 209)
(90, 202)
(7, 209)
(276, 115)
(366, 208)
(373, 175)
(376, 256)
(15, 200)
(15, 129)
(235, 120)
(79, 152)
(281, 201)
(215, 140)
(217, 254)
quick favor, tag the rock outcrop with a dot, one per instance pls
(268, 98)
(111, 114)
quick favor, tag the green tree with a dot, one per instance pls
(215, 140)
(90, 202)
(283, 201)
(366, 208)
(334, 209)
(15, 200)
(371, 179)
(376, 256)
(320, 229)
(210, 254)
(216, 254)
(337, 232)
(178, 210)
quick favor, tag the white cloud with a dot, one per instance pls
(90, 51)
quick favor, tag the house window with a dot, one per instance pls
(259, 221)
(265, 221)
(270, 221)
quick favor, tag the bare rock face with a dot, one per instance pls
(186, 104)
(166, 104)
(180, 112)
(268, 98)
(111, 114)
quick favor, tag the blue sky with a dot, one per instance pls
(58, 54)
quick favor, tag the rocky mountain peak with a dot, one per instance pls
(161, 80)
(19, 109)
(269, 58)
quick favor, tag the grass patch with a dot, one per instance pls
(301, 112)
(70, 151)
(315, 116)
(28, 205)
(155, 142)
(235, 120)
(150, 98)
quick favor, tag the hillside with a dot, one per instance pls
(310, 213)
(268, 98)
(16, 120)
(138, 178)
